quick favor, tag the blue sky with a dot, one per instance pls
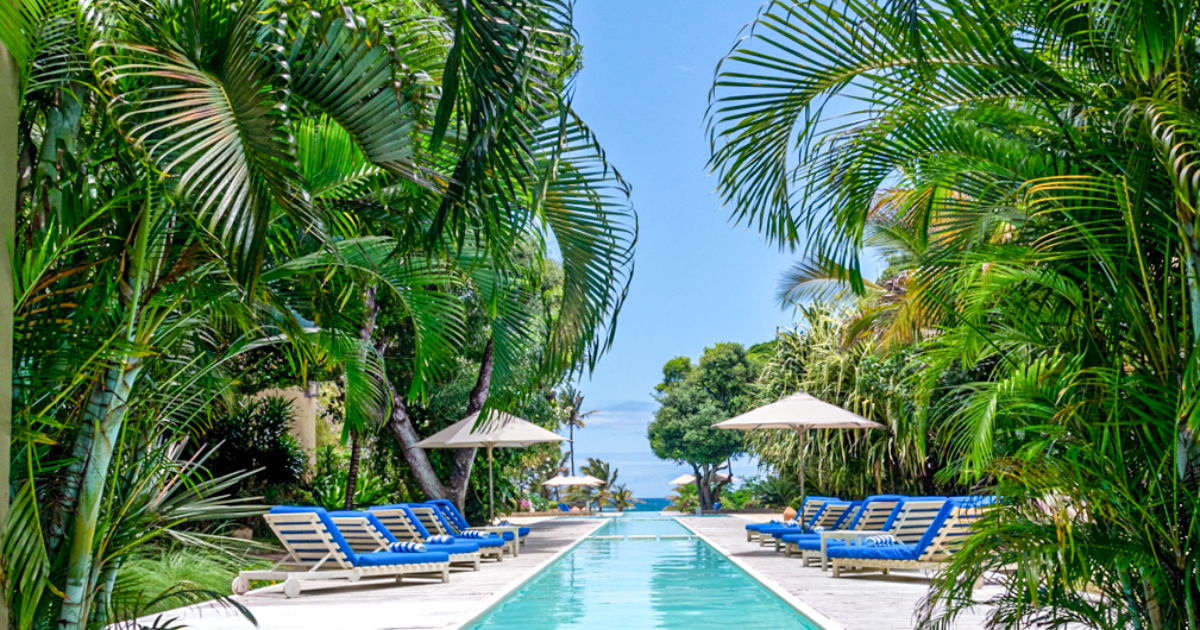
(648, 68)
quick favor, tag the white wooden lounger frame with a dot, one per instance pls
(950, 536)
(308, 528)
(873, 520)
(402, 529)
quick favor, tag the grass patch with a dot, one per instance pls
(192, 574)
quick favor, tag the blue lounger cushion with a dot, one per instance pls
(385, 558)
(814, 544)
(523, 532)
(893, 552)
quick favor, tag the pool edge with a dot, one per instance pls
(783, 594)
(478, 611)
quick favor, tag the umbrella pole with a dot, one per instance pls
(491, 491)
(801, 434)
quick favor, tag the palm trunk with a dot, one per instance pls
(400, 425)
(364, 335)
(352, 470)
(464, 459)
(10, 110)
(107, 408)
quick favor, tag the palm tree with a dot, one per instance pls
(570, 401)
(622, 498)
(1047, 151)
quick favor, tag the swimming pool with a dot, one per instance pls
(655, 582)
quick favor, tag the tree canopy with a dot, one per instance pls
(692, 398)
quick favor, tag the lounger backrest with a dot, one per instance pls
(451, 512)
(876, 512)
(363, 531)
(830, 514)
(849, 515)
(914, 517)
(952, 529)
(448, 522)
(430, 518)
(813, 505)
(401, 522)
(310, 537)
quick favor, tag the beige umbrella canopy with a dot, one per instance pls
(798, 412)
(684, 480)
(497, 429)
(561, 481)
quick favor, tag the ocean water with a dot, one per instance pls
(631, 584)
(646, 505)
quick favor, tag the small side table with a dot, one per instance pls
(500, 529)
(852, 537)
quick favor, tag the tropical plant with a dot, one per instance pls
(685, 498)
(621, 498)
(1042, 153)
(692, 399)
(569, 403)
(205, 184)
(255, 435)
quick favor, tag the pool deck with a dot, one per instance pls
(381, 604)
(856, 602)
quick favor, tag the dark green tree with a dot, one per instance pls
(695, 397)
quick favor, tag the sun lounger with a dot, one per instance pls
(313, 541)
(458, 523)
(943, 535)
(829, 512)
(402, 523)
(816, 502)
(365, 533)
(873, 515)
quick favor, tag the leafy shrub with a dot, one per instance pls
(329, 482)
(256, 434)
(685, 498)
(775, 492)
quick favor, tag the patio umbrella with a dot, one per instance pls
(684, 480)
(583, 480)
(497, 429)
(561, 481)
(798, 412)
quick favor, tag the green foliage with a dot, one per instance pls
(192, 574)
(254, 435)
(1029, 167)
(328, 484)
(775, 492)
(685, 499)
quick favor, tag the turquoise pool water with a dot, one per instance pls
(677, 584)
(642, 526)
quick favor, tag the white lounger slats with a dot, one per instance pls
(309, 545)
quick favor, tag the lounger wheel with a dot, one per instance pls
(241, 585)
(291, 588)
